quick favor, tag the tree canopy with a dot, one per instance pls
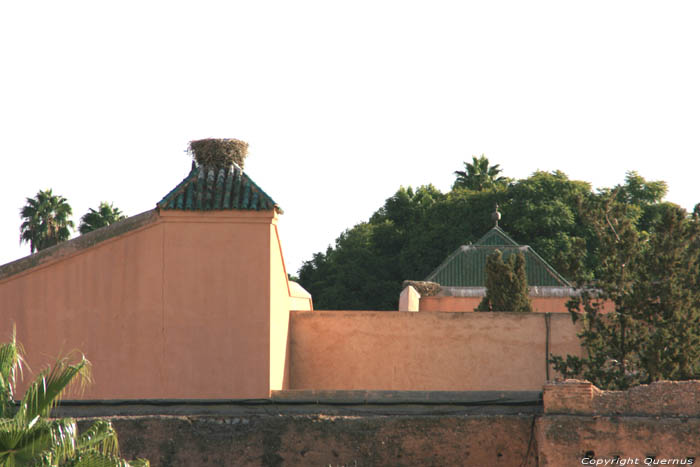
(105, 215)
(479, 175)
(652, 277)
(45, 220)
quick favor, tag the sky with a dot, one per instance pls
(341, 102)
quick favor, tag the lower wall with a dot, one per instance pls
(327, 440)
(426, 351)
(656, 424)
(411, 428)
(575, 440)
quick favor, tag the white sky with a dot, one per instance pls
(341, 102)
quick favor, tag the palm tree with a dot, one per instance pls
(105, 215)
(45, 220)
(28, 436)
(479, 175)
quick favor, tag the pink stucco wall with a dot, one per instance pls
(190, 305)
(425, 351)
(197, 305)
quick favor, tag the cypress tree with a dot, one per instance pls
(506, 284)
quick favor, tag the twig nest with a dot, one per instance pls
(219, 152)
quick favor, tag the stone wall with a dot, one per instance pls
(578, 424)
(656, 424)
(663, 398)
(328, 438)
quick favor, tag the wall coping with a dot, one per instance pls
(78, 244)
(306, 401)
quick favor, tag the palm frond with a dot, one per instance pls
(48, 388)
(11, 362)
(100, 437)
(36, 441)
(29, 437)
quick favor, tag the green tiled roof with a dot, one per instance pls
(211, 188)
(466, 267)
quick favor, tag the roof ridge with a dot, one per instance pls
(499, 232)
(549, 268)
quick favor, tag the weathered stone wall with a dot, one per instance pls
(663, 398)
(583, 440)
(328, 440)
(656, 424)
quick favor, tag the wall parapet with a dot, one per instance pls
(662, 398)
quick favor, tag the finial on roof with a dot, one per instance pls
(219, 152)
(496, 216)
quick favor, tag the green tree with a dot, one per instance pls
(45, 220)
(365, 267)
(543, 212)
(506, 284)
(479, 175)
(105, 215)
(28, 434)
(652, 278)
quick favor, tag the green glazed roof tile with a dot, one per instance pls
(211, 188)
(466, 266)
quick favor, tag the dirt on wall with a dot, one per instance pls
(328, 440)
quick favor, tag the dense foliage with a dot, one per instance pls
(415, 230)
(28, 433)
(506, 284)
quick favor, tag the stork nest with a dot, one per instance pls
(219, 152)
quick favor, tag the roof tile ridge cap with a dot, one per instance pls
(549, 267)
(498, 229)
(180, 187)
